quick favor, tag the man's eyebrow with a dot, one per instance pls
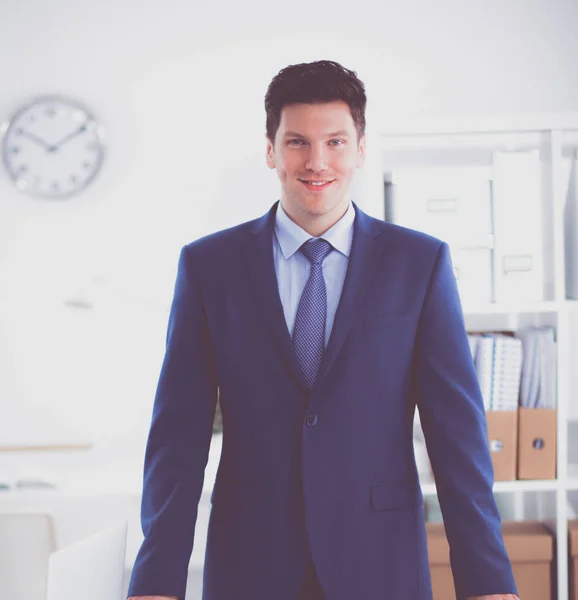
(342, 132)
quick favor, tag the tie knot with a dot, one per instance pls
(315, 250)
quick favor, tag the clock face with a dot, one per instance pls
(52, 147)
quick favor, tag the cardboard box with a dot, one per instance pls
(442, 581)
(573, 558)
(530, 546)
(536, 443)
(502, 438)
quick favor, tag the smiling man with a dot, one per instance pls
(322, 330)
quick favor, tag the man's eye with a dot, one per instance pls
(340, 142)
(295, 142)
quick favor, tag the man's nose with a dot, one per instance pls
(317, 159)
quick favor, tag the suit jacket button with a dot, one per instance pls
(311, 420)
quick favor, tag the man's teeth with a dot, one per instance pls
(317, 182)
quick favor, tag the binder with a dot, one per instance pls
(503, 442)
(537, 420)
(538, 381)
(498, 362)
(473, 339)
(507, 368)
(537, 443)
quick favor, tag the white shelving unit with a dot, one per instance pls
(471, 142)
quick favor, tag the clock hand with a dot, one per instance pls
(35, 139)
(69, 137)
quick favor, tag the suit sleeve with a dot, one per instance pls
(178, 444)
(454, 424)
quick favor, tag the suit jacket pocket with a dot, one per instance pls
(392, 496)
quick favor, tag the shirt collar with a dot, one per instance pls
(291, 237)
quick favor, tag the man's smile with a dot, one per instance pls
(316, 184)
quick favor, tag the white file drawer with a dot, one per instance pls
(473, 271)
(453, 204)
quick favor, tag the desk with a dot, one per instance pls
(96, 488)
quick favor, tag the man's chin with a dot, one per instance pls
(323, 206)
(315, 205)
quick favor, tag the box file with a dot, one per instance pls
(573, 558)
(536, 443)
(502, 439)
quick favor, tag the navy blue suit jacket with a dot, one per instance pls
(332, 468)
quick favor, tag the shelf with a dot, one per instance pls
(501, 487)
(572, 482)
(496, 308)
(467, 142)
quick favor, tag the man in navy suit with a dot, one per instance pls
(322, 330)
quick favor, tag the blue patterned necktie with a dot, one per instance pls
(309, 330)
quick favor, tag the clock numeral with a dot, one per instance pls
(18, 131)
(50, 112)
(55, 186)
(22, 169)
(73, 179)
(14, 150)
(86, 165)
(92, 146)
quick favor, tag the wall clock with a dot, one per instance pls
(52, 147)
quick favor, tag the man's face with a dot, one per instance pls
(316, 143)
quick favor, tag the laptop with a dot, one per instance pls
(92, 569)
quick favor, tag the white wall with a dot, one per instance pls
(179, 87)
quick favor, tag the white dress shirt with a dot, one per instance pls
(292, 267)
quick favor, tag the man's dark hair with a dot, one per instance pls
(315, 83)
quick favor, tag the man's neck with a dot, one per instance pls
(317, 225)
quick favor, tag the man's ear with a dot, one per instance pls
(361, 152)
(270, 153)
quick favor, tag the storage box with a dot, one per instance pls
(473, 270)
(502, 438)
(451, 203)
(573, 556)
(529, 544)
(536, 443)
(442, 581)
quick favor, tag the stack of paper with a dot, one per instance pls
(484, 363)
(507, 369)
(538, 385)
(498, 362)
(473, 341)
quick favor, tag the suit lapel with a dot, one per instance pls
(363, 259)
(259, 261)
